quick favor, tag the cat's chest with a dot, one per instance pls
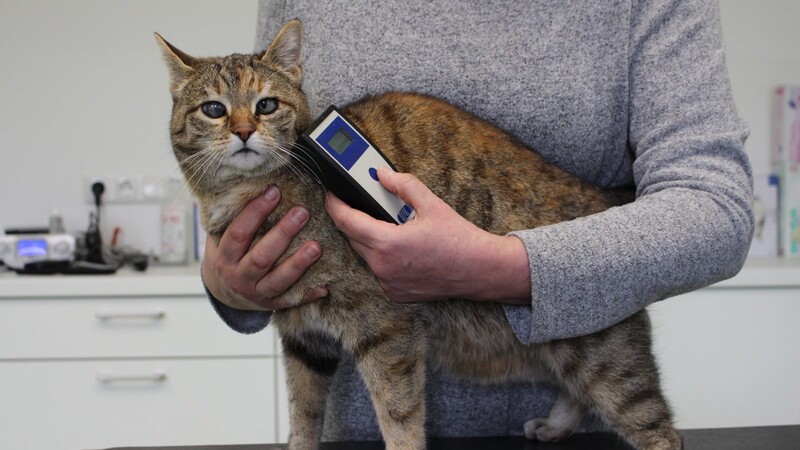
(230, 198)
(220, 208)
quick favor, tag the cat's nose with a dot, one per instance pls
(244, 132)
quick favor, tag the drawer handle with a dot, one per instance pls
(107, 315)
(108, 378)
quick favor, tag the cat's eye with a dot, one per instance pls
(266, 106)
(214, 110)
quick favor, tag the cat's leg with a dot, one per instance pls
(638, 412)
(614, 373)
(392, 364)
(565, 416)
(310, 361)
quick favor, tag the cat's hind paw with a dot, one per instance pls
(544, 431)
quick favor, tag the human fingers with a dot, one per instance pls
(263, 255)
(407, 187)
(283, 301)
(356, 225)
(268, 293)
(236, 239)
(285, 274)
(271, 289)
(210, 269)
(219, 282)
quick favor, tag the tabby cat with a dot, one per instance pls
(234, 122)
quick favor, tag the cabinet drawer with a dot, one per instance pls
(112, 403)
(121, 327)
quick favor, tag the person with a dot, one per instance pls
(618, 93)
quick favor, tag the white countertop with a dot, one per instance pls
(185, 281)
(157, 280)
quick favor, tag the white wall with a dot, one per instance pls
(728, 356)
(762, 51)
(83, 92)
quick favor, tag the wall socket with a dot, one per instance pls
(138, 189)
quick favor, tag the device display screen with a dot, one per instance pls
(31, 247)
(340, 141)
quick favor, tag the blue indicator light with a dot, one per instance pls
(28, 248)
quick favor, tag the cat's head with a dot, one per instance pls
(236, 116)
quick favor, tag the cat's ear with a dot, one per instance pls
(285, 52)
(180, 64)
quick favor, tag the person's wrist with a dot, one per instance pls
(506, 275)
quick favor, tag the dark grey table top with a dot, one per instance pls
(755, 438)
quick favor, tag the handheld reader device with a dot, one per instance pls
(349, 162)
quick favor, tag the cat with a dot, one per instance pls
(234, 122)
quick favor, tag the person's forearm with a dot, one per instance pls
(503, 273)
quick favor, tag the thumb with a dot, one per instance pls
(406, 186)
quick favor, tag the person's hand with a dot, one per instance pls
(249, 278)
(438, 254)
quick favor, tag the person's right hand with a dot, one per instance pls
(249, 278)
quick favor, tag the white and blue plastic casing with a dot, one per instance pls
(16, 250)
(345, 145)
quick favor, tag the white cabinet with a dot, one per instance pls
(730, 353)
(128, 360)
(128, 326)
(109, 403)
(142, 359)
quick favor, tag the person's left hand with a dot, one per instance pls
(438, 254)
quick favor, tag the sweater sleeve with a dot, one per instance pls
(691, 223)
(245, 322)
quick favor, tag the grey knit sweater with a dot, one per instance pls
(618, 92)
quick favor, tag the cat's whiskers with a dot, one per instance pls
(198, 159)
(199, 164)
(208, 159)
(288, 158)
(305, 161)
(198, 167)
(175, 171)
(288, 155)
(278, 154)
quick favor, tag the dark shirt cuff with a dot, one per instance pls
(242, 321)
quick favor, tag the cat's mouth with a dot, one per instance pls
(243, 159)
(245, 151)
(252, 158)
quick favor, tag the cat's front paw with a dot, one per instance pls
(545, 431)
